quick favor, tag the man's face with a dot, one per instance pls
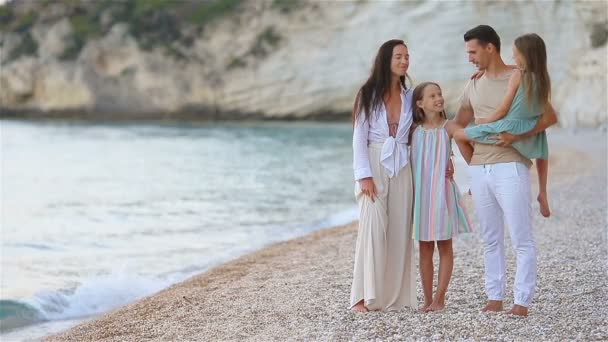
(478, 54)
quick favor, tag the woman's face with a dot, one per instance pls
(400, 60)
(432, 99)
(518, 58)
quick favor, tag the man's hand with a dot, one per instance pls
(368, 187)
(505, 139)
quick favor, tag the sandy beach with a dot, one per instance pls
(299, 289)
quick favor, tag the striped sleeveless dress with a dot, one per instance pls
(439, 212)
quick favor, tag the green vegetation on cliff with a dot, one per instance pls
(165, 24)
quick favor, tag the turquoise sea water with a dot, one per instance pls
(96, 215)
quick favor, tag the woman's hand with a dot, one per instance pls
(368, 187)
(481, 121)
(449, 172)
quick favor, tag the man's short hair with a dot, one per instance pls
(485, 35)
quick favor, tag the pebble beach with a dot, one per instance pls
(299, 289)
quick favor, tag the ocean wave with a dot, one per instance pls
(92, 297)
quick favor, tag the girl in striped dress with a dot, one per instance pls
(439, 212)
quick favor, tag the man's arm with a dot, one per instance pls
(547, 119)
(464, 115)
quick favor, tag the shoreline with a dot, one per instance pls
(71, 322)
(188, 114)
(166, 215)
(225, 273)
(299, 289)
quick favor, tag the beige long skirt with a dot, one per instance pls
(384, 266)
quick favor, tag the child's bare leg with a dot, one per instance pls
(464, 145)
(427, 248)
(446, 264)
(542, 167)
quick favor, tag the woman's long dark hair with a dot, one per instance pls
(370, 95)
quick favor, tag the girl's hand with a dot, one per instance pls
(368, 187)
(477, 74)
(480, 121)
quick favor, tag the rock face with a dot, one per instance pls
(308, 62)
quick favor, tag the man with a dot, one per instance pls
(500, 182)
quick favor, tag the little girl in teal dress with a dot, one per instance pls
(527, 95)
(521, 118)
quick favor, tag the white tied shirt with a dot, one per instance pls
(394, 155)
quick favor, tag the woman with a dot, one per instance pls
(383, 276)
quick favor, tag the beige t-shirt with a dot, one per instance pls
(484, 96)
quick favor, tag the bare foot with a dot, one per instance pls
(493, 305)
(437, 305)
(359, 307)
(544, 204)
(424, 307)
(518, 310)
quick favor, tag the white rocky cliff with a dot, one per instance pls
(303, 63)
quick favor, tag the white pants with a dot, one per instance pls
(501, 193)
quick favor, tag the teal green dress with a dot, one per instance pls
(520, 119)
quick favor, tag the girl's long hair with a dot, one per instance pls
(417, 112)
(532, 47)
(371, 94)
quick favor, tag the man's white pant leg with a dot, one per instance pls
(512, 184)
(490, 217)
